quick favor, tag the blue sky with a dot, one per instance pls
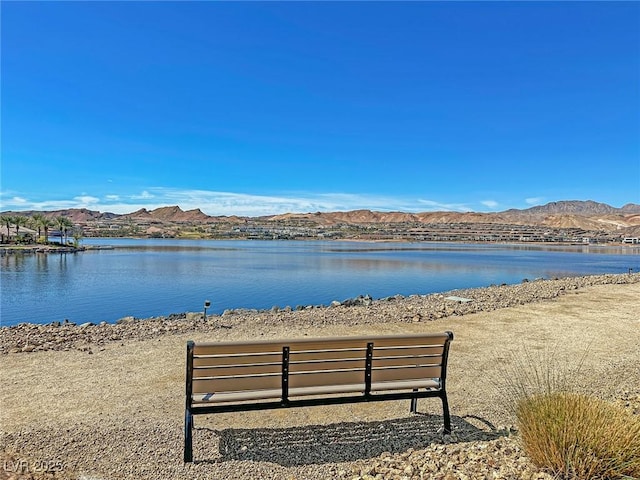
(256, 108)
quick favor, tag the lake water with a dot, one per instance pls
(146, 278)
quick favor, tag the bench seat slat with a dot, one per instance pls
(312, 379)
(226, 397)
(405, 385)
(273, 381)
(230, 384)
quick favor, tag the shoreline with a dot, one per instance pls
(33, 249)
(6, 249)
(28, 337)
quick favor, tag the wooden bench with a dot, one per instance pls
(260, 375)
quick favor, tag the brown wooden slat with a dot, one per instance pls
(232, 384)
(241, 396)
(204, 348)
(408, 350)
(335, 364)
(237, 348)
(326, 390)
(434, 339)
(295, 358)
(205, 361)
(410, 361)
(404, 385)
(327, 354)
(405, 373)
(274, 347)
(238, 370)
(339, 377)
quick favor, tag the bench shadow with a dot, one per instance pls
(337, 442)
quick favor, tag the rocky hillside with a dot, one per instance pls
(585, 215)
(169, 214)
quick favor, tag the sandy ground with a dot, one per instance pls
(118, 412)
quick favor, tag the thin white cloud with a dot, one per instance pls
(534, 200)
(439, 206)
(87, 200)
(19, 200)
(490, 204)
(145, 195)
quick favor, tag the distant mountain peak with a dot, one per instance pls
(575, 207)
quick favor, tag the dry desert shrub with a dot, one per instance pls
(571, 435)
(577, 436)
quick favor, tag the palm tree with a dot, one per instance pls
(62, 223)
(67, 224)
(7, 221)
(47, 223)
(77, 235)
(37, 220)
(20, 221)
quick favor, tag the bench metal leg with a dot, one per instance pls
(447, 416)
(414, 403)
(188, 438)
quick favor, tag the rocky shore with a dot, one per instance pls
(28, 337)
(51, 248)
(106, 401)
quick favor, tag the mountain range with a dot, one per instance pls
(586, 215)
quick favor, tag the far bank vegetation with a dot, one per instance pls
(39, 229)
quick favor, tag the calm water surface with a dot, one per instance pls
(146, 278)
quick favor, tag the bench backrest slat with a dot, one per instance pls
(248, 366)
(237, 370)
(261, 347)
(405, 373)
(326, 378)
(275, 346)
(246, 359)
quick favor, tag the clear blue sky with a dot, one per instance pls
(256, 108)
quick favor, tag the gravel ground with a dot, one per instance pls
(98, 402)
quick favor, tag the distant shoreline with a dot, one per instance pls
(30, 249)
(7, 249)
